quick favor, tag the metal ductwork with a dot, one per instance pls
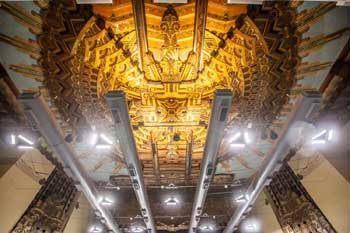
(220, 109)
(39, 116)
(306, 104)
(117, 103)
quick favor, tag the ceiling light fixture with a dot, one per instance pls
(330, 135)
(103, 146)
(13, 139)
(21, 142)
(171, 186)
(94, 138)
(104, 137)
(100, 141)
(26, 140)
(171, 201)
(105, 201)
(137, 229)
(240, 140)
(25, 147)
(207, 228)
(323, 137)
(241, 199)
(247, 138)
(238, 145)
(96, 230)
(251, 227)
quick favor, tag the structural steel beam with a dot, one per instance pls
(219, 112)
(199, 30)
(39, 115)
(305, 105)
(138, 7)
(117, 103)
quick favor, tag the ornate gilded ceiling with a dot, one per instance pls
(251, 51)
(169, 61)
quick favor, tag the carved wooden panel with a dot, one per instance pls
(293, 206)
(51, 207)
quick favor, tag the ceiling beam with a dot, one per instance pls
(138, 8)
(116, 101)
(220, 108)
(199, 31)
(39, 116)
(306, 104)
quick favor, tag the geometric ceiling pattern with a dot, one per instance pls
(252, 52)
(169, 61)
(83, 51)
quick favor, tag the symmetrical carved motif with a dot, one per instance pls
(256, 58)
(86, 52)
(293, 206)
(170, 63)
(52, 206)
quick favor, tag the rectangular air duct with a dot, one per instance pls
(116, 101)
(41, 117)
(306, 103)
(220, 108)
